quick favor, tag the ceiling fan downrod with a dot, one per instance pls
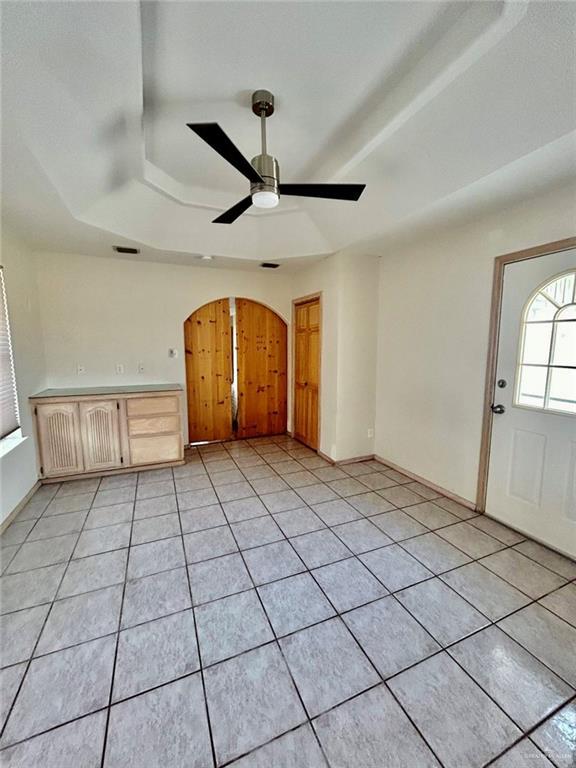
(265, 194)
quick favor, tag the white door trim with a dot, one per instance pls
(493, 340)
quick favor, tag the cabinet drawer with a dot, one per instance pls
(149, 406)
(152, 450)
(153, 425)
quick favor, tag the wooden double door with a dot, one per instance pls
(236, 371)
(307, 371)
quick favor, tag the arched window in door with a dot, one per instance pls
(546, 373)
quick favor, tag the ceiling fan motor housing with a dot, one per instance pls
(263, 103)
(267, 167)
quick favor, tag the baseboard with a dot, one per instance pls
(419, 479)
(341, 462)
(19, 507)
(110, 472)
(412, 475)
(354, 460)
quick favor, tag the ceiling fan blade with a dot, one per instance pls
(229, 216)
(213, 135)
(331, 191)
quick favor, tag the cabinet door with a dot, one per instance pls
(59, 438)
(99, 424)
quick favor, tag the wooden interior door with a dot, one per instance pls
(100, 430)
(208, 343)
(262, 374)
(307, 371)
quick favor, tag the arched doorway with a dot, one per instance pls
(236, 370)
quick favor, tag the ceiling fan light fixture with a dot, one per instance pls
(265, 199)
(262, 171)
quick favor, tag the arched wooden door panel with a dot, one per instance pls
(260, 338)
(208, 344)
(262, 356)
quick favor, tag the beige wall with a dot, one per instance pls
(404, 336)
(349, 286)
(357, 345)
(18, 468)
(99, 312)
(433, 332)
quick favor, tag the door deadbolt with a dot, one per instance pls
(501, 383)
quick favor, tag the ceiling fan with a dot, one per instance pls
(263, 171)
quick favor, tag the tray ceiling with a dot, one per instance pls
(419, 100)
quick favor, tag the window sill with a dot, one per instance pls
(11, 442)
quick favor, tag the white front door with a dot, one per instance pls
(532, 473)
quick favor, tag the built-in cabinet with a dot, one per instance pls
(100, 430)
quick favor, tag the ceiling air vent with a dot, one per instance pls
(269, 265)
(125, 249)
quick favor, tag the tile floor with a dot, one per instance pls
(261, 608)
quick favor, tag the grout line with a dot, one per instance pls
(278, 646)
(324, 527)
(338, 614)
(112, 678)
(527, 734)
(30, 659)
(361, 649)
(198, 648)
(289, 539)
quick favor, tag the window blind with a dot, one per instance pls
(9, 416)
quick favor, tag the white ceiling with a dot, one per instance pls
(421, 101)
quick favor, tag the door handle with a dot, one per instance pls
(497, 408)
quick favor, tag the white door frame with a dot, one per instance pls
(493, 340)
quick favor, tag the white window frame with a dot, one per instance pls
(16, 433)
(549, 365)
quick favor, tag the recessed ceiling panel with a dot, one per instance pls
(202, 60)
(427, 103)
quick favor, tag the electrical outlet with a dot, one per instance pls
(370, 433)
(80, 370)
(140, 367)
(119, 368)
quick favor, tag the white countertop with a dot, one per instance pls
(120, 390)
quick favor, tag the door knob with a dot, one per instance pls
(497, 408)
